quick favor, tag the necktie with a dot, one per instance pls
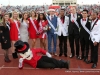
(62, 19)
(51, 17)
(74, 15)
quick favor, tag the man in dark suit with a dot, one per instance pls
(85, 25)
(73, 30)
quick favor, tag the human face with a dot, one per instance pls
(15, 15)
(25, 16)
(84, 14)
(93, 16)
(62, 12)
(73, 10)
(6, 17)
(52, 12)
(33, 14)
(41, 16)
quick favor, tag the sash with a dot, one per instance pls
(75, 21)
(94, 24)
(42, 27)
(17, 28)
(51, 25)
(8, 26)
(85, 27)
(33, 24)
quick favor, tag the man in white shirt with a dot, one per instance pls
(62, 23)
(95, 39)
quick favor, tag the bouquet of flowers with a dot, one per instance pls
(46, 28)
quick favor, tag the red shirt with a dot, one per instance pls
(36, 57)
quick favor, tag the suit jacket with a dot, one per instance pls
(72, 26)
(83, 32)
(63, 27)
(95, 32)
(54, 22)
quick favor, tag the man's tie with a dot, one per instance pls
(51, 17)
(74, 15)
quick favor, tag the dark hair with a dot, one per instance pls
(44, 17)
(85, 11)
(95, 12)
(23, 16)
(4, 24)
(62, 9)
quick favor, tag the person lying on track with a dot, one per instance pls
(32, 57)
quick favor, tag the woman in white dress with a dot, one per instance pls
(24, 28)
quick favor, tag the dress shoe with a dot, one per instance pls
(60, 55)
(77, 57)
(65, 55)
(81, 58)
(85, 59)
(94, 66)
(15, 55)
(7, 61)
(88, 62)
(55, 54)
(71, 56)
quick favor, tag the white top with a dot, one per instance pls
(24, 31)
(63, 27)
(95, 32)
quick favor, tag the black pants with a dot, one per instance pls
(94, 53)
(73, 37)
(46, 62)
(63, 44)
(84, 46)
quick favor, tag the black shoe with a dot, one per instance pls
(65, 55)
(85, 59)
(60, 55)
(94, 66)
(88, 62)
(67, 64)
(15, 55)
(71, 56)
(81, 58)
(77, 57)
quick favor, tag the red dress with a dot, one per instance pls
(31, 29)
(42, 33)
(14, 32)
(35, 58)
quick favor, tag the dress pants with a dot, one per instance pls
(63, 44)
(94, 52)
(74, 37)
(46, 62)
(84, 46)
(52, 36)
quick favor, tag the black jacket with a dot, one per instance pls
(83, 32)
(72, 26)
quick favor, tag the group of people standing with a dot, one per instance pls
(77, 27)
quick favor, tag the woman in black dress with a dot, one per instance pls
(5, 37)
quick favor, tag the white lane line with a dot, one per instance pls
(71, 69)
(68, 55)
(2, 67)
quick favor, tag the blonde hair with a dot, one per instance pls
(13, 15)
(34, 13)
